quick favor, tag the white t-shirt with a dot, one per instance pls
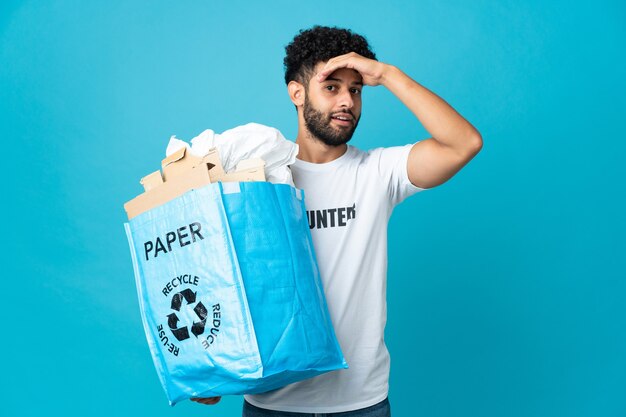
(349, 201)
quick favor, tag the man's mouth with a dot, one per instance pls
(343, 119)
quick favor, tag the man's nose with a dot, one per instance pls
(346, 100)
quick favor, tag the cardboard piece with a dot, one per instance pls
(250, 163)
(256, 174)
(181, 161)
(151, 181)
(252, 169)
(184, 172)
(195, 178)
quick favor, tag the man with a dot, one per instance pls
(350, 195)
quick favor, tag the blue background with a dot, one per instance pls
(506, 284)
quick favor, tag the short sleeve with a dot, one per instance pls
(392, 169)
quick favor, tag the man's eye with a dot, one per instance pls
(328, 87)
(356, 91)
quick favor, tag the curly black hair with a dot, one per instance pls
(320, 43)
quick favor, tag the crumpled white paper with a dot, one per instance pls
(252, 140)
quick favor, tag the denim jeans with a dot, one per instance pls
(382, 409)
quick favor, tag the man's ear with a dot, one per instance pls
(296, 93)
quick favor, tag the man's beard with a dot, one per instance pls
(319, 124)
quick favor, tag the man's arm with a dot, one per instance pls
(454, 140)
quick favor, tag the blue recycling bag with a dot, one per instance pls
(229, 291)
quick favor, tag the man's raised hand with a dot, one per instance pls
(371, 70)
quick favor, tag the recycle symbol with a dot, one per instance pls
(197, 328)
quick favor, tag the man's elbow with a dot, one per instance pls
(474, 145)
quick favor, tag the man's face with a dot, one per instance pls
(327, 102)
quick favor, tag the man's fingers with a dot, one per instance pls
(322, 74)
(327, 71)
(207, 401)
(333, 64)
